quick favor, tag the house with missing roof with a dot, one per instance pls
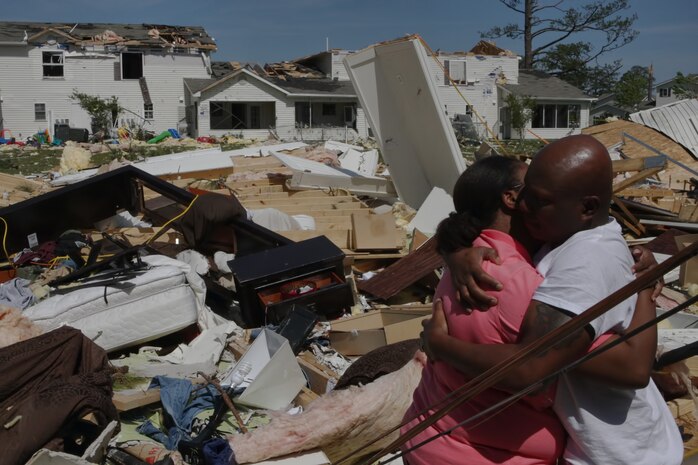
(473, 85)
(310, 98)
(144, 65)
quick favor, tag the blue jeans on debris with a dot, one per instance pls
(180, 409)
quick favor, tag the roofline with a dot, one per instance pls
(590, 99)
(323, 95)
(235, 74)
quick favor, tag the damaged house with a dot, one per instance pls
(143, 65)
(310, 98)
(481, 78)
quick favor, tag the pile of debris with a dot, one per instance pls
(265, 299)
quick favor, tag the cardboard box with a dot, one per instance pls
(276, 376)
(689, 269)
(358, 335)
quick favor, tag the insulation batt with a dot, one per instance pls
(338, 422)
(14, 327)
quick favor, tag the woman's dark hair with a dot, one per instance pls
(477, 196)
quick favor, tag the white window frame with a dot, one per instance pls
(665, 92)
(60, 65)
(45, 111)
(148, 111)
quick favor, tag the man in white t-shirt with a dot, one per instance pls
(565, 203)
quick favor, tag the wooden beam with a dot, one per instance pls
(636, 223)
(650, 193)
(638, 164)
(626, 223)
(637, 177)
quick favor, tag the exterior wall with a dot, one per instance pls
(660, 101)
(480, 92)
(243, 88)
(339, 71)
(22, 84)
(557, 133)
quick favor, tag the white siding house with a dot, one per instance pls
(472, 88)
(561, 109)
(142, 65)
(664, 91)
(246, 103)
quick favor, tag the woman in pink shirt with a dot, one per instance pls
(527, 432)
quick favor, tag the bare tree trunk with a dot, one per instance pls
(528, 39)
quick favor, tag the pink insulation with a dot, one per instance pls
(338, 422)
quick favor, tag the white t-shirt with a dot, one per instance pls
(606, 425)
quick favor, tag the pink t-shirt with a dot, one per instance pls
(525, 433)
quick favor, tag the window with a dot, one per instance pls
(52, 64)
(148, 111)
(556, 116)
(131, 65)
(39, 112)
(329, 109)
(665, 92)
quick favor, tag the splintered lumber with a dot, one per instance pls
(404, 272)
(637, 177)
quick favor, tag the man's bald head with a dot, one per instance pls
(568, 188)
(576, 166)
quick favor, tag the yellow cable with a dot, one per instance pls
(472, 107)
(4, 245)
(174, 219)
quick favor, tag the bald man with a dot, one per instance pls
(565, 204)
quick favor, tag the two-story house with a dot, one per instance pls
(143, 65)
(664, 91)
(481, 78)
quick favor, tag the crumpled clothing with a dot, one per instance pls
(48, 382)
(218, 452)
(179, 410)
(16, 293)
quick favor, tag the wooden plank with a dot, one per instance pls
(404, 272)
(340, 237)
(313, 194)
(635, 178)
(202, 174)
(637, 164)
(651, 193)
(638, 226)
(324, 200)
(681, 407)
(626, 223)
(256, 190)
(125, 402)
(320, 210)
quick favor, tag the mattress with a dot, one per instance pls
(127, 312)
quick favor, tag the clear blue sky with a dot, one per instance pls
(275, 30)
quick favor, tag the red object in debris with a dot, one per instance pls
(206, 140)
(296, 288)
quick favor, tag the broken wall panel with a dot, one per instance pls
(404, 272)
(403, 109)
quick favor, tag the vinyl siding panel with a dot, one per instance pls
(22, 84)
